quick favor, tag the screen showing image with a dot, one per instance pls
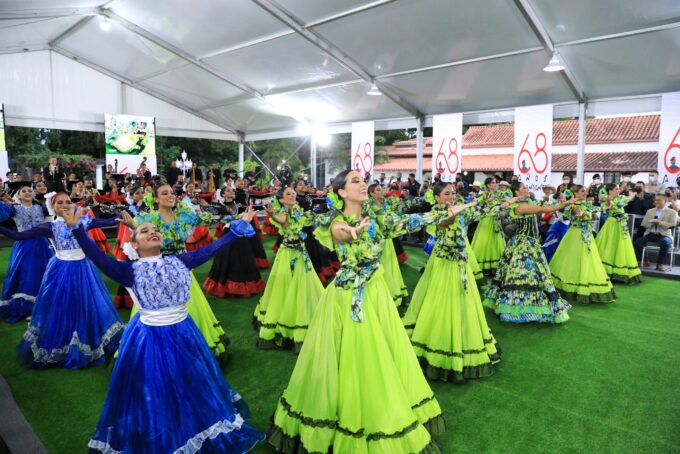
(130, 135)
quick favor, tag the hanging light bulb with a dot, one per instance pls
(555, 64)
(374, 90)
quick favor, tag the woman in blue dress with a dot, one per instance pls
(28, 259)
(167, 392)
(74, 323)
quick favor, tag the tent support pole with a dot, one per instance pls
(312, 160)
(241, 153)
(420, 144)
(581, 147)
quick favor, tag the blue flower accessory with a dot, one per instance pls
(333, 200)
(507, 194)
(568, 194)
(429, 197)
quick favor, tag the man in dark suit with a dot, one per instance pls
(172, 173)
(54, 177)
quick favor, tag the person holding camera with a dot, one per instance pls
(659, 222)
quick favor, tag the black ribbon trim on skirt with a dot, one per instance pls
(607, 284)
(456, 376)
(625, 279)
(361, 433)
(275, 325)
(452, 354)
(622, 267)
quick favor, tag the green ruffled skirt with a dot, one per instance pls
(523, 290)
(578, 272)
(617, 253)
(488, 245)
(393, 277)
(472, 261)
(289, 301)
(447, 324)
(357, 387)
(203, 316)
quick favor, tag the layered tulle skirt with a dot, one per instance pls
(578, 272)
(447, 325)
(488, 245)
(27, 263)
(357, 387)
(205, 319)
(523, 290)
(167, 394)
(617, 253)
(74, 323)
(393, 277)
(291, 297)
(200, 237)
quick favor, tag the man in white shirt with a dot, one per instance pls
(658, 223)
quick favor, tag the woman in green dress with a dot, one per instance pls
(388, 259)
(176, 222)
(488, 242)
(293, 288)
(576, 266)
(523, 290)
(613, 241)
(357, 386)
(446, 319)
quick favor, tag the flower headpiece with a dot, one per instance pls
(48, 203)
(148, 200)
(429, 197)
(333, 200)
(130, 251)
(507, 194)
(603, 192)
(276, 204)
(568, 194)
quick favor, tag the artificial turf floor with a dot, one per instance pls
(607, 381)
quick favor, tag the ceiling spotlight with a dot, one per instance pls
(105, 24)
(374, 91)
(555, 64)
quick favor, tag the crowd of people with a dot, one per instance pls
(335, 294)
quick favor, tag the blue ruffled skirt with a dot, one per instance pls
(74, 323)
(552, 240)
(27, 263)
(167, 394)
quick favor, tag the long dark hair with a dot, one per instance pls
(514, 187)
(439, 186)
(340, 181)
(158, 186)
(488, 180)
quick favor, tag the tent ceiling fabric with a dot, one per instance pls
(252, 66)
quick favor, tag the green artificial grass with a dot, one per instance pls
(607, 381)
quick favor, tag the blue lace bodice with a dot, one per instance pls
(62, 236)
(27, 218)
(161, 282)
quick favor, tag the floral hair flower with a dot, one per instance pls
(603, 193)
(429, 197)
(568, 194)
(333, 200)
(276, 204)
(148, 200)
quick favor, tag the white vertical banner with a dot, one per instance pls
(447, 146)
(533, 145)
(363, 136)
(4, 160)
(669, 139)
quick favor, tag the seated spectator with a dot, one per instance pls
(658, 222)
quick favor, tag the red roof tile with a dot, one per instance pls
(639, 128)
(629, 161)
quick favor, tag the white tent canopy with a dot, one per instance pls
(257, 68)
